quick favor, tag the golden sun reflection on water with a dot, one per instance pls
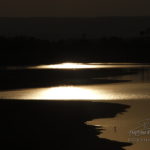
(68, 93)
(72, 65)
(120, 91)
(68, 65)
(56, 93)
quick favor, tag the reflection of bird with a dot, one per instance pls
(115, 129)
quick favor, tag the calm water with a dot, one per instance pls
(135, 86)
(130, 85)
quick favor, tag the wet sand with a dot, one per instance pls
(132, 126)
(56, 124)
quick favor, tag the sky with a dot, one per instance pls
(73, 8)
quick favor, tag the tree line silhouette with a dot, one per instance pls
(23, 50)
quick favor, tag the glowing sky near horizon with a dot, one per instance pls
(73, 8)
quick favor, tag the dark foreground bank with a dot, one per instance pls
(55, 125)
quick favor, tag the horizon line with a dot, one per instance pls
(73, 16)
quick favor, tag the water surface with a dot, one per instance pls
(136, 85)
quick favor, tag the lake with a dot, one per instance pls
(86, 81)
(71, 87)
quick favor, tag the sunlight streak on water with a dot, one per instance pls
(74, 66)
(122, 91)
(54, 93)
(67, 93)
(68, 65)
(71, 65)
